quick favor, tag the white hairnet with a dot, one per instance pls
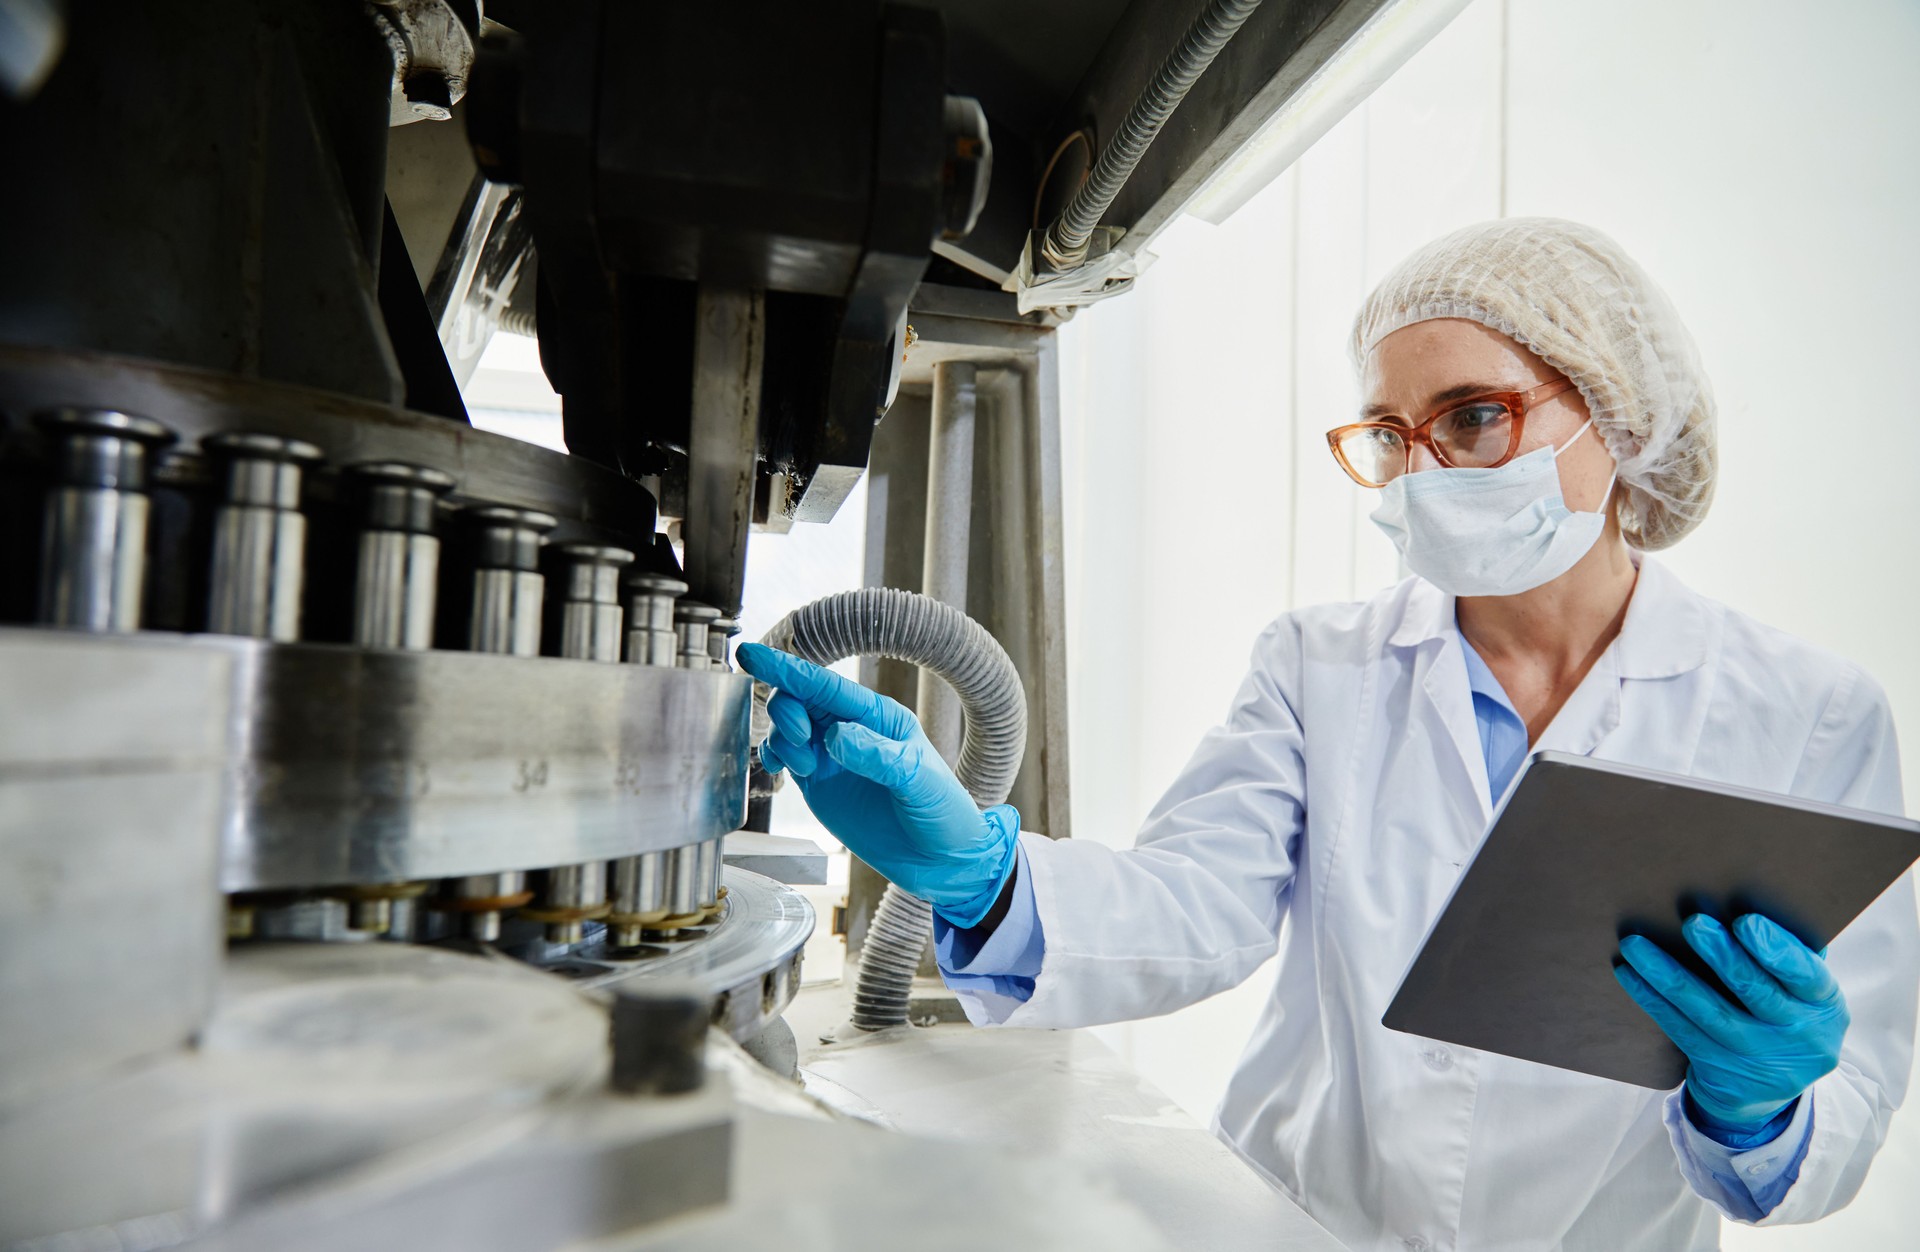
(1568, 293)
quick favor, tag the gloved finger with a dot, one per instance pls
(1786, 958)
(790, 716)
(1764, 997)
(769, 759)
(1686, 1036)
(1707, 1008)
(889, 762)
(798, 756)
(824, 692)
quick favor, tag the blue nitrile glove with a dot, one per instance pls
(871, 777)
(1746, 1063)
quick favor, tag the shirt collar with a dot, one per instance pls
(1666, 631)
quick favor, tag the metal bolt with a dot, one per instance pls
(639, 898)
(722, 630)
(507, 595)
(259, 535)
(93, 568)
(399, 570)
(692, 621)
(650, 635)
(507, 585)
(591, 619)
(569, 895)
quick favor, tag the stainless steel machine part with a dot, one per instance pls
(399, 564)
(639, 897)
(94, 554)
(508, 596)
(597, 502)
(259, 535)
(749, 960)
(729, 342)
(567, 896)
(949, 542)
(508, 588)
(684, 907)
(591, 615)
(650, 635)
(718, 636)
(359, 767)
(707, 867)
(783, 858)
(691, 622)
(639, 883)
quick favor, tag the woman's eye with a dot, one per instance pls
(1478, 416)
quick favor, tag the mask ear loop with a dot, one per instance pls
(1576, 439)
(1607, 493)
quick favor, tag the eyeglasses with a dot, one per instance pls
(1479, 433)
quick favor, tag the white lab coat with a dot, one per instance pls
(1341, 798)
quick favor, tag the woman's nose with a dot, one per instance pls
(1421, 457)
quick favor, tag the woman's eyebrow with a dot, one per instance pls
(1461, 391)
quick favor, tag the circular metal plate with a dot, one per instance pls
(749, 960)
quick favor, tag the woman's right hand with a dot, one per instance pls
(872, 778)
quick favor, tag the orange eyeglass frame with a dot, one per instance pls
(1517, 403)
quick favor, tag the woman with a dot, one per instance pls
(1536, 420)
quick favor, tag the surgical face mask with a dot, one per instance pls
(1489, 532)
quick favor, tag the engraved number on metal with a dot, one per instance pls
(531, 777)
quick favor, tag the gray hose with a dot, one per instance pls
(1065, 245)
(879, 621)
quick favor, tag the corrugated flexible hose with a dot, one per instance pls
(879, 621)
(1065, 243)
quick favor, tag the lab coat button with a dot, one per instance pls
(1438, 1058)
(1414, 1243)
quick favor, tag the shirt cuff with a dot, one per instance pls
(994, 972)
(1744, 1183)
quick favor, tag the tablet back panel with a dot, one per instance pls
(1583, 852)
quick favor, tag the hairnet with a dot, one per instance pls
(1569, 293)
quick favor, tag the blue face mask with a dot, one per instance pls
(1489, 532)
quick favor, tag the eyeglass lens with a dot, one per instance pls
(1472, 436)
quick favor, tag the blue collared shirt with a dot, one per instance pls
(1002, 966)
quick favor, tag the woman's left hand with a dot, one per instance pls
(1747, 1062)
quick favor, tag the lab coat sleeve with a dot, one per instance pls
(1746, 1184)
(1852, 758)
(993, 974)
(1195, 906)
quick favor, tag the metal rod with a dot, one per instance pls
(691, 622)
(684, 907)
(639, 897)
(94, 562)
(508, 588)
(718, 636)
(949, 533)
(259, 535)
(398, 578)
(651, 639)
(591, 616)
(567, 896)
(507, 594)
(639, 883)
(723, 447)
(708, 867)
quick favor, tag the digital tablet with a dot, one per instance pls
(1583, 852)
